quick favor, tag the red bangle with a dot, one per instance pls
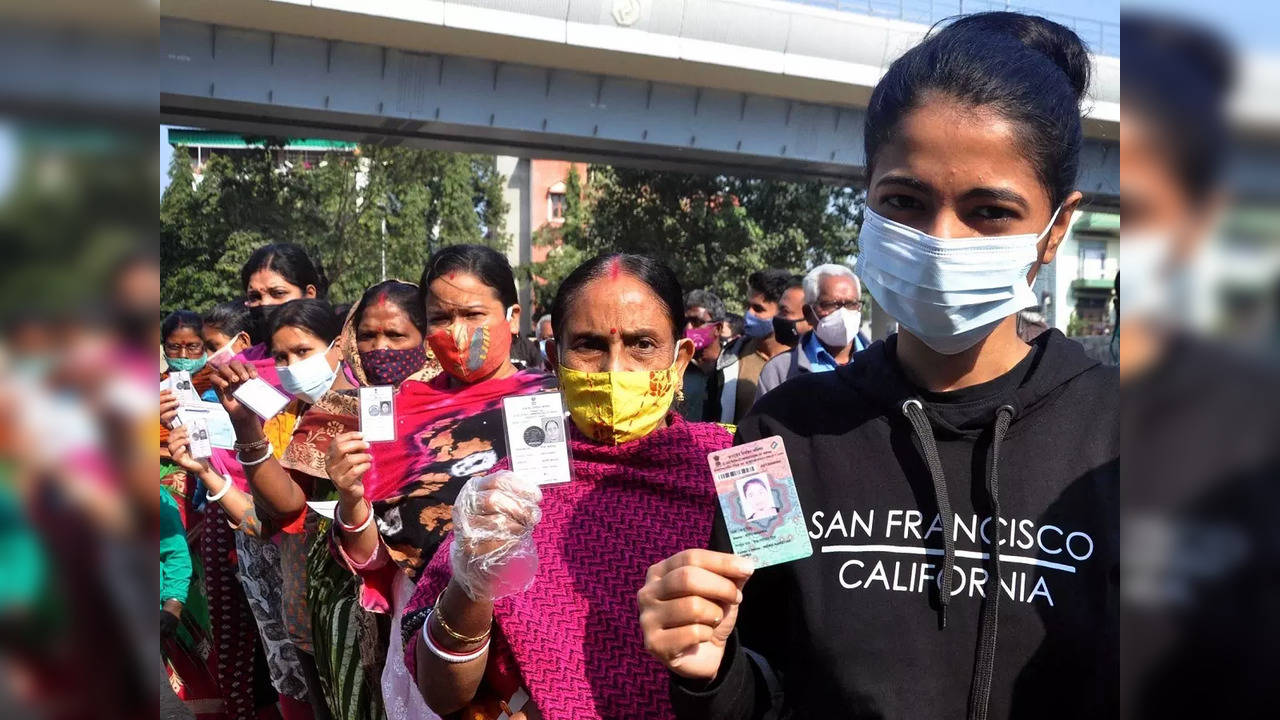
(337, 516)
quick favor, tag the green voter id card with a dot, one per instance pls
(758, 498)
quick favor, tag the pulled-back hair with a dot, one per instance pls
(180, 319)
(292, 262)
(653, 273)
(310, 314)
(1029, 70)
(232, 318)
(403, 295)
(485, 263)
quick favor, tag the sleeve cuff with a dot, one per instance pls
(374, 562)
(376, 575)
(730, 695)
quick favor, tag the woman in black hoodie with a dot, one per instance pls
(943, 458)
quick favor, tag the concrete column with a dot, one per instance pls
(519, 227)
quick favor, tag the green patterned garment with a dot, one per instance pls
(350, 642)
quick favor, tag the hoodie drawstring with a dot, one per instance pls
(984, 663)
(914, 411)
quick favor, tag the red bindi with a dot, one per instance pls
(452, 275)
(613, 331)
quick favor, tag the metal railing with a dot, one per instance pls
(1103, 38)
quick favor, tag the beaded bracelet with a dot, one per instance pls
(271, 450)
(251, 446)
(445, 655)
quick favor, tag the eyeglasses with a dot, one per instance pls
(189, 349)
(829, 307)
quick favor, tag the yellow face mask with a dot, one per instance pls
(619, 406)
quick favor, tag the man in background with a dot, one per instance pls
(733, 388)
(833, 308)
(704, 321)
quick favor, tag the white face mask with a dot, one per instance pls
(309, 378)
(224, 353)
(949, 292)
(839, 328)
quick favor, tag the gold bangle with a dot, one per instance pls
(454, 633)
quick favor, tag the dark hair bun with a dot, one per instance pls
(1032, 71)
(1168, 47)
(1057, 42)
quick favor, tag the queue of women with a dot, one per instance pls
(443, 583)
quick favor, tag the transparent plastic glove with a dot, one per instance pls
(493, 554)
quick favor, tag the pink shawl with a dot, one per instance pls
(574, 635)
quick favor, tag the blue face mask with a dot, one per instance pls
(755, 326)
(948, 292)
(310, 378)
(188, 364)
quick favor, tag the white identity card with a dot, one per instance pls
(536, 437)
(258, 395)
(180, 384)
(198, 438)
(758, 499)
(222, 434)
(377, 414)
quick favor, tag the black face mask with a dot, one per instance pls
(261, 317)
(785, 332)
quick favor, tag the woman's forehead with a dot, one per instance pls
(268, 278)
(620, 301)
(291, 336)
(953, 147)
(459, 288)
(381, 311)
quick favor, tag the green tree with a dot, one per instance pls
(336, 209)
(713, 230)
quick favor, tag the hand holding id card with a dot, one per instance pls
(377, 414)
(758, 499)
(221, 432)
(536, 437)
(198, 438)
(258, 395)
(180, 384)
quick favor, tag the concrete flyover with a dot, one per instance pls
(748, 86)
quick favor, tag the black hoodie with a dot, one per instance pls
(857, 630)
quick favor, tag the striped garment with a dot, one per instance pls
(350, 646)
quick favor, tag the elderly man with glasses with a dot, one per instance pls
(833, 307)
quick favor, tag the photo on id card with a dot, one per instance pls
(183, 389)
(198, 438)
(377, 414)
(536, 440)
(758, 499)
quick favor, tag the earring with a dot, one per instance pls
(680, 395)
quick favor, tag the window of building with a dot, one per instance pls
(555, 202)
(1093, 259)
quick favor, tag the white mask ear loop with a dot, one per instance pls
(1049, 227)
(676, 358)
